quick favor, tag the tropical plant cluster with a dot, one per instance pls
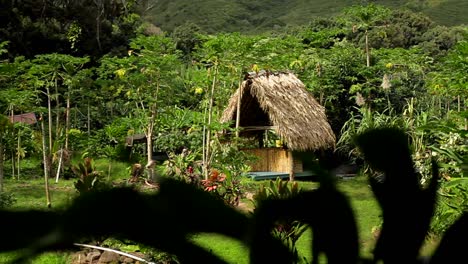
(286, 230)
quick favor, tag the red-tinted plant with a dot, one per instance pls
(223, 186)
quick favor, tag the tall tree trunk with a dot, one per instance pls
(49, 112)
(100, 12)
(109, 169)
(239, 101)
(49, 108)
(367, 50)
(59, 167)
(1, 164)
(466, 119)
(149, 144)
(440, 106)
(45, 156)
(12, 113)
(62, 150)
(149, 135)
(447, 106)
(57, 111)
(13, 165)
(18, 155)
(207, 163)
(204, 157)
(67, 122)
(89, 121)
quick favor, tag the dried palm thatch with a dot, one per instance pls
(280, 101)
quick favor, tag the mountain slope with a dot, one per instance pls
(256, 16)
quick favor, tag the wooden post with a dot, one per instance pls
(291, 164)
(260, 140)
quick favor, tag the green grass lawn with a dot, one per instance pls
(365, 208)
(29, 193)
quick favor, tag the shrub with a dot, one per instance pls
(452, 204)
(6, 200)
(287, 230)
(88, 177)
(183, 167)
(225, 186)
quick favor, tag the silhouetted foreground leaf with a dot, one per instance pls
(179, 210)
(19, 229)
(407, 207)
(328, 213)
(452, 248)
(168, 216)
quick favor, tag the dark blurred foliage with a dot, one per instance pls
(84, 27)
(179, 209)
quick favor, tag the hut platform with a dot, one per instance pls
(270, 175)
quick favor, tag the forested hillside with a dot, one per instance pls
(258, 16)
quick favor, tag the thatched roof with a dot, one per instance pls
(281, 101)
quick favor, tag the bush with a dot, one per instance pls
(89, 179)
(6, 200)
(287, 230)
(452, 204)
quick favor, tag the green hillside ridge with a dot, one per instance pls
(257, 16)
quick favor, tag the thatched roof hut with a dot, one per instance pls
(280, 101)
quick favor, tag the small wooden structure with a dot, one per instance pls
(279, 102)
(27, 118)
(135, 139)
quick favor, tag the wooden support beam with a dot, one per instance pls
(259, 128)
(289, 153)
